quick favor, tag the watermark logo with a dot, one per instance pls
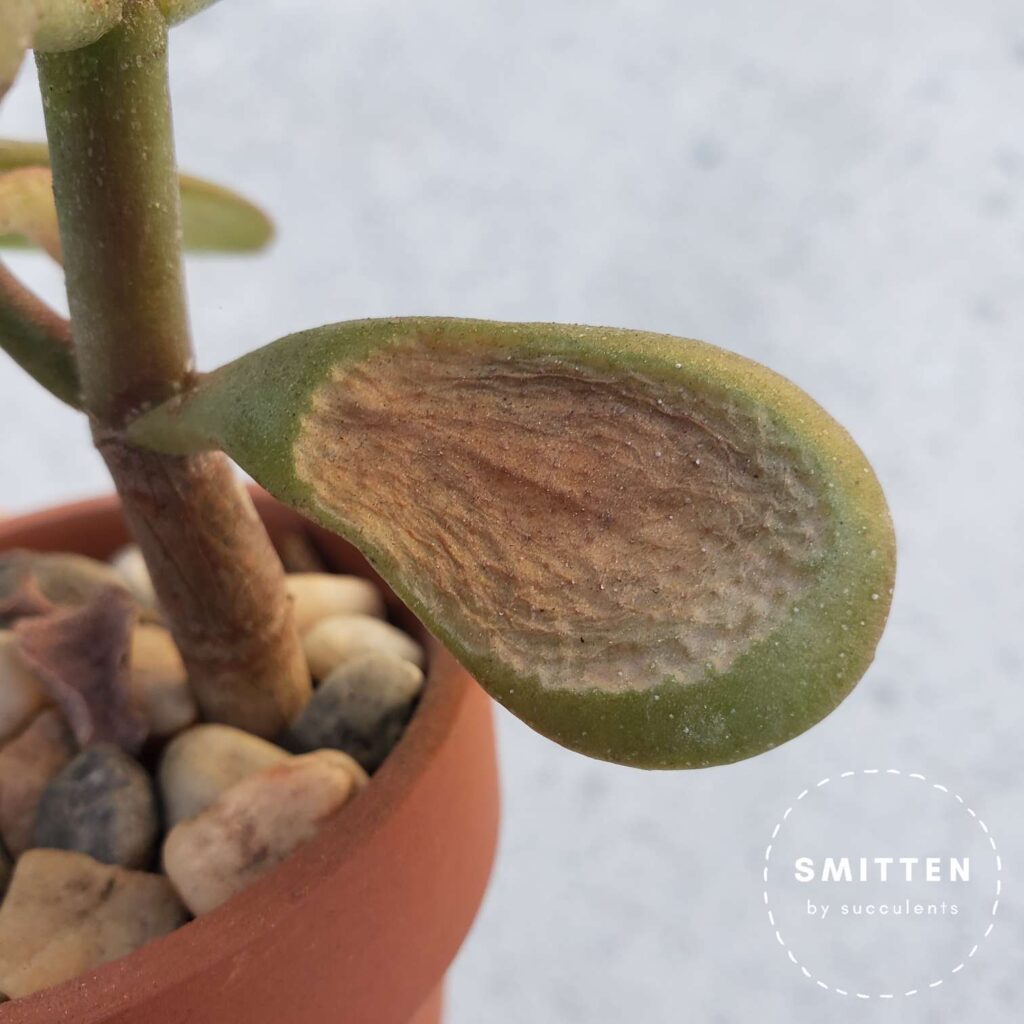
(881, 884)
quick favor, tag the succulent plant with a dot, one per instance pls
(652, 550)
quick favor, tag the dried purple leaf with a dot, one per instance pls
(81, 658)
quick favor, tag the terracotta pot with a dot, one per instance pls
(359, 925)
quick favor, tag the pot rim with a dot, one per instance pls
(242, 921)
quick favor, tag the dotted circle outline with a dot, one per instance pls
(883, 995)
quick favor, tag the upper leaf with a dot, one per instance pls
(214, 219)
(54, 25)
(50, 25)
(176, 11)
(651, 550)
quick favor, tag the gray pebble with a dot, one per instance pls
(361, 708)
(101, 803)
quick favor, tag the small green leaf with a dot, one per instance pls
(652, 550)
(50, 26)
(214, 219)
(17, 24)
(27, 209)
(68, 24)
(17, 153)
(176, 11)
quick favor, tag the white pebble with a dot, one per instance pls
(254, 825)
(159, 682)
(202, 762)
(318, 595)
(129, 564)
(342, 637)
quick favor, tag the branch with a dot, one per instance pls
(37, 339)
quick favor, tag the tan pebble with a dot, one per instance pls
(27, 763)
(129, 564)
(21, 694)
(253, 826)
(159, 682)
(6, 867)
(318, 595)
(202, 762)
(64, 579)
(342, 637)
(66, 913)
(342, 760)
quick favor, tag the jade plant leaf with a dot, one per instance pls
(651, 550)
(176, 11)
(50, 25)
(27, 209)
(214, 219)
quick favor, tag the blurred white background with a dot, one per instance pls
(836, 190)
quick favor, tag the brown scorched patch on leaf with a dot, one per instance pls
(590, 528)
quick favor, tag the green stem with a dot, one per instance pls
(108, 119)
(220, 584)
(37, 339)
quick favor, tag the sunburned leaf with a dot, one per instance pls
(214, 219)
(651, 550)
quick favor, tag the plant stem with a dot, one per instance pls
(108, 120)
(37, 339)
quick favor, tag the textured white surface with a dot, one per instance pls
(833, 189)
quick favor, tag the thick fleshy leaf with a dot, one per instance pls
(50, 26)
(653, 551)
(17, 23)
(27, 209)
(19, 153)
(176, 11)
(214, 219)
